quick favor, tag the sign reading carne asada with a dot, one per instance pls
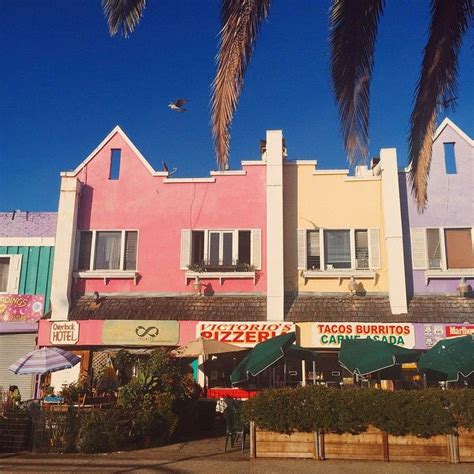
(329, 334)
(245, 334)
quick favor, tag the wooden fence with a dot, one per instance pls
(373, 444)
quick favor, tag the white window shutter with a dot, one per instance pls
(302, 249)
(418, 249)
(14, 274)
(185, 249)
(374, 249)
(257, 248)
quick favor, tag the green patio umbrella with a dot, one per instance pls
(266, 353)
(364, 356)
(449, 358)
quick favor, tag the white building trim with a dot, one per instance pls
(104, 142)
(27, 241)
(449, 122)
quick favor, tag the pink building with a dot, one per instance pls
(136, 248)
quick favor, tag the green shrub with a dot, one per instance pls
(103, 431)
(422, 413)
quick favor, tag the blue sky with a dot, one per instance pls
(66, 83)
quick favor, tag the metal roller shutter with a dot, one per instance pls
(12, 347)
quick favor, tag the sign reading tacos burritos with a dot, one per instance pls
(245, 334)
(140, 333)
(331, 334)
(21, 308)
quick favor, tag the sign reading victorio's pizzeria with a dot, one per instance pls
(331, 334)
(64, 333)
(242, 333)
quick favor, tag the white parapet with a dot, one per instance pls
(393, 231)
(65, 247)
(275, 276)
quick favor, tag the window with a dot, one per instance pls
(449, 158)
(10, 267)
(362, 249)
(459, 251)
(354, 249)
(337, 249)
(115, 158)
(108, 250)
(314, 256)
(4, 270)
(434, 248)
(442, 248)
(220, 250)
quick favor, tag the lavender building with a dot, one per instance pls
(439, 254)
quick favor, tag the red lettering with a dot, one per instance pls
(238, 336)
(206, 334)
(406, 330)
(225, 336)
(263, 336)
(251, 336)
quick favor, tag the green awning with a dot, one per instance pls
(266, 353)
(449, 358)
(364, 356)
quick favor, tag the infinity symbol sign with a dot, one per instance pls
(149, 331)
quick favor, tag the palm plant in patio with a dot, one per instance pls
(353, 35)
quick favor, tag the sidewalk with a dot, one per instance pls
(205, 456)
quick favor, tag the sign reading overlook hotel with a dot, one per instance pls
(64, 333)
(330, 334)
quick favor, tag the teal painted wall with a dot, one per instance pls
(36, 270)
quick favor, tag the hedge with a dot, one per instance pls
(422, 413)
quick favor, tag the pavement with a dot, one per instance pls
(205, 456)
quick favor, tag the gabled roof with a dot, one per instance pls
(116, 130)
(449, 122)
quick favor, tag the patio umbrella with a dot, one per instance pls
(448, 358)
(266, 353)
(364, 356)
(42, 361)
(205, 347)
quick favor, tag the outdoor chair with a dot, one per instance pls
(235, 427)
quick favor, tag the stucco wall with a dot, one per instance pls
(159, 211)
(329, 201)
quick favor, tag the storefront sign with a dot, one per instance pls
(457, 330)
(140, 333)
(64, 333)
(331, 334)
(427, 335)
(21, 308)
(245, 334)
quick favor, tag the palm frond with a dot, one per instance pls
(353, 34)
(123, 15)
(241, 20)
(438, 79)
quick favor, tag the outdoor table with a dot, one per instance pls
(53, 400)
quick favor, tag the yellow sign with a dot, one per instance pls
(140, 333)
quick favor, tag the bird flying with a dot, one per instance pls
(178, 105)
